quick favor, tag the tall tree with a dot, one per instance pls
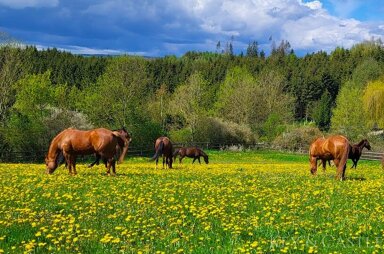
(252, 49)
(192, 100)
(347, 117)
(323, 111)
(374, 103)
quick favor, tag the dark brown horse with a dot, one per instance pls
(334, 148)
(163, 147)
(72, 142)
(356, 150)
(190, 152)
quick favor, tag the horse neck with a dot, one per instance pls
(53, 150)
(361, 145)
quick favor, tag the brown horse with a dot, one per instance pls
(356, 150)
(72, 142)
(118, 150)
(334, 148)
(190, 152)
(163, 146)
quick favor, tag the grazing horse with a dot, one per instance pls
(72, 142)
(163, 146)
(334, 148)
(356, 151)
(118, 150)
(190, 152)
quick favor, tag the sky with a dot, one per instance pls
(173, 27)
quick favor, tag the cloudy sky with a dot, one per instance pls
(164, 27)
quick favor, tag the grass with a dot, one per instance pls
(242, 202)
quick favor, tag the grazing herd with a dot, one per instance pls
(108, 144)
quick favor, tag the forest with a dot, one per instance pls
(218, 97)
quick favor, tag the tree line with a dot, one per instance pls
(200, 96)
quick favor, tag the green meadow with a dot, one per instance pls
(241, 202)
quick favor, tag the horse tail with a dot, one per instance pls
(159, 151)
(344, 157)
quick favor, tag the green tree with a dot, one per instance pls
(252, 49)
(10, 71)
(348, 118)
(192, 100)
(322, 112)
(374, 103)
(118, 94)
(366, 71)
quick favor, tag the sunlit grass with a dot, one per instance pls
(250, 202)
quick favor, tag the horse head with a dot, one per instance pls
(206, 159)
(367, 144)
(51, 165)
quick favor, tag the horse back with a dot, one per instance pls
(336, 147)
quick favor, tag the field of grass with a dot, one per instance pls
(242, 202)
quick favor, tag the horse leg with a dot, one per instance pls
(108, 165)
(198, 158)
(97, 161)
(112, 163)
(324, 164)
(343, 175)
(194, 158)
(339, 169)
(170, 162)
(114, 166)
(181, 158)
(164, 160)
(74, 165)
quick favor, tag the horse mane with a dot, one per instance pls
(361, 142)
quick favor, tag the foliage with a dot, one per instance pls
(297, 138)
(348, 117)
(219, 131)
(374, 103)
(118, 94)
(323, 111)
(191, 101)
(176, 94)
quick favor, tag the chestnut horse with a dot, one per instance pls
(334, 148)
(118, 150)
(72, 142)
(163, 146)
(191, 152)
(356, 150)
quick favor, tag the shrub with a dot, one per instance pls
(217, 131)
(297, 139)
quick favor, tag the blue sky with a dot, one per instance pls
(171, 27)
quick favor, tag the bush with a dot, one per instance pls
(297, 139)
(217, 131)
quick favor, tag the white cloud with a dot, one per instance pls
(20, 4)
(306, 25)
